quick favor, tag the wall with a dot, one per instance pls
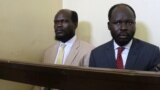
(26, 26)
(25, 32)
(93, 15)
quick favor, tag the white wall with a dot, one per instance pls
(93, 19)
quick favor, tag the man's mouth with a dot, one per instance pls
(123, 36)
(59, 30)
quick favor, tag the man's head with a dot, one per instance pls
(65, 24)
(122, 23)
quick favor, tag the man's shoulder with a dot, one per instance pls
(104, 46)
(145, 44)
(145, 47)
(84, 44)
(52, 46)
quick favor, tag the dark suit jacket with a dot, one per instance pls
(142, 56)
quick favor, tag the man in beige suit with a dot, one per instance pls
(65, 24)
(75, 51)
(79, 52)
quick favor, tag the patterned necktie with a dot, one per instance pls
(119, 61)
(60, 54)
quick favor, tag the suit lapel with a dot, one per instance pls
(50, 55)
(133, 54)
(72, 54)
(54, 52)
(110, 55)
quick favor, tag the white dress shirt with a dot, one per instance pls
(67, 49)
(124, 53)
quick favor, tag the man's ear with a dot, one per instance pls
(75, 25)
(109, 26)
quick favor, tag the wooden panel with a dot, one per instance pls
(78, 78)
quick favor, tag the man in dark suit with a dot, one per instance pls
(124, 51)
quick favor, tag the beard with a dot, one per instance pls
(123, 39)
(122, 42)
(64, 38)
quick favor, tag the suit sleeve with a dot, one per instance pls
(156, 61)
(85, 61)
(92, 61)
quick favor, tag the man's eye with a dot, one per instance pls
(64, 21)
(117, 22)
(130, 22)
(60, 21)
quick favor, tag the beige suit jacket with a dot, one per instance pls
(79, 53)
(78, 56)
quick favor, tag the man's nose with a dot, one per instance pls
(124, 26)
(59, 23)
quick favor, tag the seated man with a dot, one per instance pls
(124, 51)
(68, 50)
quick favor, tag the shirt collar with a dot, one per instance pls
(128, 46)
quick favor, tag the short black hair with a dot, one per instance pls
(113, 7)
(74, 17)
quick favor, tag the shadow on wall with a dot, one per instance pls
(84, 31)
(142, 32)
